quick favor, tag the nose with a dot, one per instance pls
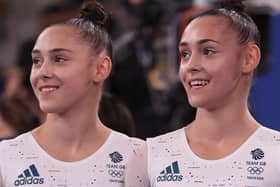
(45, 71)
(194, 63)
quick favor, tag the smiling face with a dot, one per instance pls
(211, 62)
(63, 69)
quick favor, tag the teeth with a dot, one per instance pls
(48, 89)
(199, 83)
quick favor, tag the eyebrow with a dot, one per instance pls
(200, 42)
(34, 51)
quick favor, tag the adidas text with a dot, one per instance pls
(170, 177)
(29, 180)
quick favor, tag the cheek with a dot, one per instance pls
(80, 80)
(32, 78)
(182, 73)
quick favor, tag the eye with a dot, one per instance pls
(208, 51)
(185, 54)
(59, 59)
(36, 61)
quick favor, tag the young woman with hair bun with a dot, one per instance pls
(224, 145)
(71, 61)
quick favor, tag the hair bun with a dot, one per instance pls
(236, 5)
(94, 12)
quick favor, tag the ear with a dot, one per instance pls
(252, 58)
(102, 69)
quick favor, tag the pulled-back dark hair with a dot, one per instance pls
(92, 22)
(240, 21)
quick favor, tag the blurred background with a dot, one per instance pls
(144, 80)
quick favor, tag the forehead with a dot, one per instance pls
(60, 36)
(209, 27)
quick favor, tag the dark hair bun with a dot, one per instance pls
(94, 12)
(236, 5)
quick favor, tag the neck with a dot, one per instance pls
(79, 119)
(228, 117)
(71, 140)
(225, 122)
(72, 127)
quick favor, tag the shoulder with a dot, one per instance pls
(133, 147)
(166, 145)
(168, 138)
(132, 150)
(121, 138)
(13, 147)
(268, 136)
(265, 141)
(269, 130)
(136, 165)
(14, 142)
(128, 145)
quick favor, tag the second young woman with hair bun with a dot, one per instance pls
(72, 148)
(224, 145)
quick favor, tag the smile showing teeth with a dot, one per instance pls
(199, 83)
(47, 89)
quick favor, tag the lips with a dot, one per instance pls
(197, 83)
(48, 88)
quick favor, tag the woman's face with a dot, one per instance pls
(63, 69)
(211, 62)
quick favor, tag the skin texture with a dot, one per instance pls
(216, 71)
(209, 55)
(62, 67)
(67, 78)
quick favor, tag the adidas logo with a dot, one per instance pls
(170, 173)
(29, 176)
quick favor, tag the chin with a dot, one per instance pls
(195, 104)
(50, 108)
(198, 103)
